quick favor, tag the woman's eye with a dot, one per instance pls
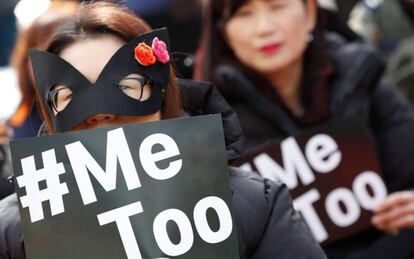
(135, 87)
(276, 6)
(124, 87)
(243, 12)
(131, 87)
(65, 95)
(60, 97)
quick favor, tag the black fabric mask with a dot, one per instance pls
(104, 96)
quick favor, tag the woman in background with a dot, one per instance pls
(281, 72)
(26, 121)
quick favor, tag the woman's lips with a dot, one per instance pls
(271, 48)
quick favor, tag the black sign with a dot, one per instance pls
(332, 173)
(139, 191)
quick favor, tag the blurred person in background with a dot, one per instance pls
(5, 164)
(282, 73)
(400, 68)
(7, 29)
(344, 8)
(389, 25)
(395, 23)
(8, 95)
(7, 35)
(384, 23)
(398, 32)
(26, 121)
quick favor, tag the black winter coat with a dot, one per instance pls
(355, 89)
(267, 225)
(5, 171)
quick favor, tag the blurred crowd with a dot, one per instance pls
(385, 24)
(335, 58)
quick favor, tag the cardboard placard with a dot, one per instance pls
(152, 190)
(332, 173)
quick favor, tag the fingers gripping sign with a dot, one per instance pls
(395, 213)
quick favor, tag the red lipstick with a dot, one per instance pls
(271, 48)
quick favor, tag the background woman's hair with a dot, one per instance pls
(36, 36)
(214, 51)
(100, 18)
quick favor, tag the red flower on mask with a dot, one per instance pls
(144, 55)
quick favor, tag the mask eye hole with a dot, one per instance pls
(136, 86)
(58, 98)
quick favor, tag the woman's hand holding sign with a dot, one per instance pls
(395, 213)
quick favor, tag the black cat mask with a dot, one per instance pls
(147, 55)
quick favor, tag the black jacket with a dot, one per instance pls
(356, 89)
(267, 225)
(5, 171)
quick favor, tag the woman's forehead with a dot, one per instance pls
(234, 5)
(89, 56)
(266, 1)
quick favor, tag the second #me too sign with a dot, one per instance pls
(139, 191)
(332, 172)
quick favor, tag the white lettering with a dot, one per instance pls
(201, 223)
(377, 185)
(161, 234)
(121, 217)
(293, 162)
(303, 204)
(148, 159)
(117, 149)
(336, 214)
(322, 153)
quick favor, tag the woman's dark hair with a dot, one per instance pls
(101, 18)
(214, 51)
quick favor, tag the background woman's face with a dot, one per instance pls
(89, 57)
(270, 35)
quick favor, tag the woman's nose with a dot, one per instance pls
(100, 118)
(263, 24)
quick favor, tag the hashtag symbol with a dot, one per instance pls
(54, 190)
